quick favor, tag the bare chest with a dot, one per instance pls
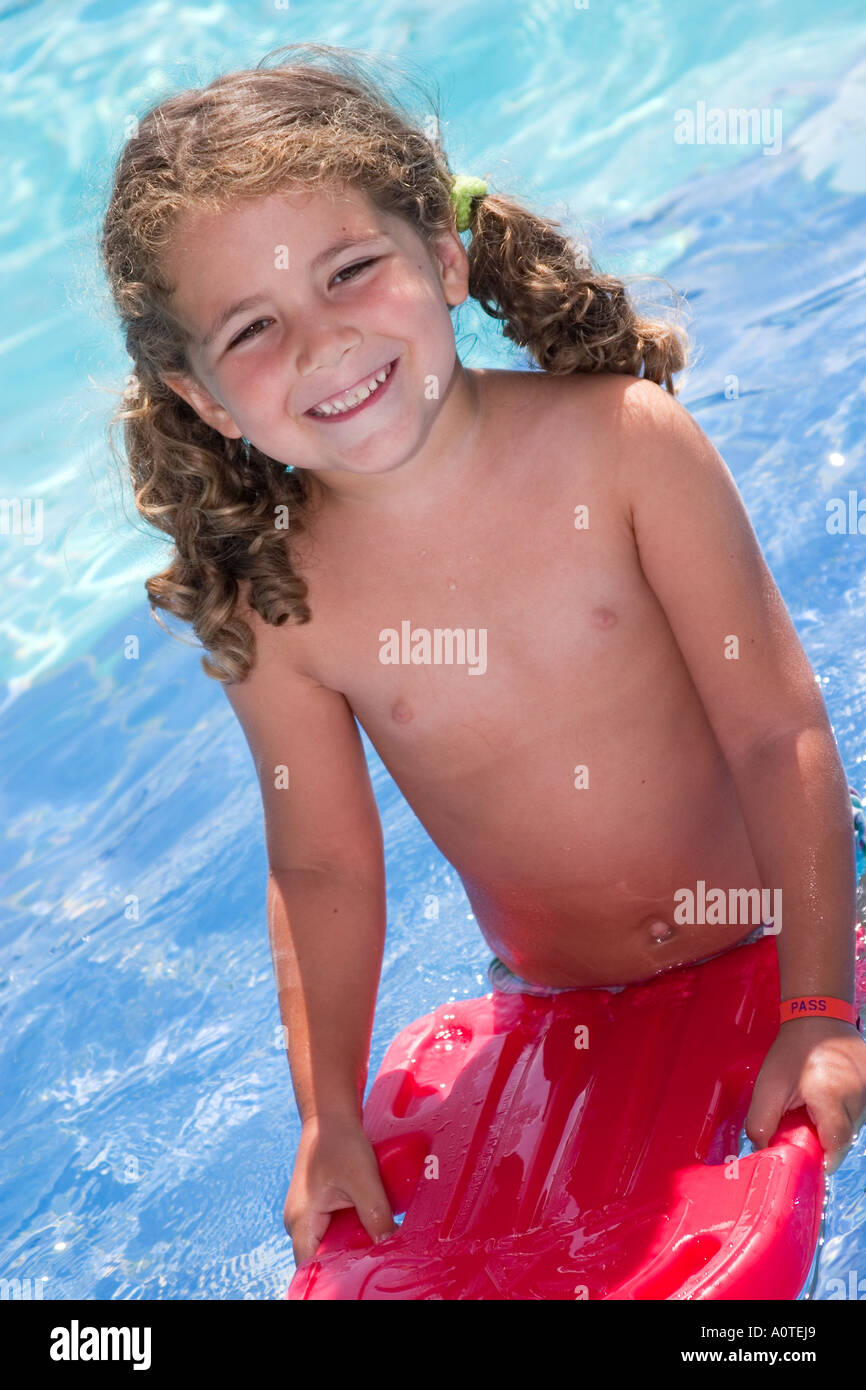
(521, 614)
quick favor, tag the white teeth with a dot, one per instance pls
(349, 398)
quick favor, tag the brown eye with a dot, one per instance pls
(242, 337)
(357, 265)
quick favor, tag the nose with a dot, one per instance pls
(324, 348)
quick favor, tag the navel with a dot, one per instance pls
(401, 711)
(660, 930)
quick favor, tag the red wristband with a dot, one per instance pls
(819, 1006)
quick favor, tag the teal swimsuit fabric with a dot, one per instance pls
(504, 980)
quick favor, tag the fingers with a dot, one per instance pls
(370, 1199)
(308, 1207)
(836, 1131)
(824, 1070)
(307, 1232)
(833, 1159)
(374, 1210)
(308, 1228)
(764, 1117)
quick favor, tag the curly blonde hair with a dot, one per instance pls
(298, 125)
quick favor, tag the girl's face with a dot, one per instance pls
(292, 299)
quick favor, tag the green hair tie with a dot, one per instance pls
(465, 187)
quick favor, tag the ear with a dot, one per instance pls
(453, 265)
(203, 403)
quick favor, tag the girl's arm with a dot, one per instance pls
(326, 879)
(326, 919)
(700, 556)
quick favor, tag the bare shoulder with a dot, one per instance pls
(616, 400)
(610, 402)
(283, 648)
(665, 450)
(592, 425)
(621, 422)
(276, 676)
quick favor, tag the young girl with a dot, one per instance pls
(538, 592)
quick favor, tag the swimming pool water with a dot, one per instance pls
(148, 1114)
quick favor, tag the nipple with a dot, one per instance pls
(401, 711)
(602, 617)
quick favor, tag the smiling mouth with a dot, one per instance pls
(354, 400)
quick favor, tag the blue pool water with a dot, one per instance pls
(148, 1117)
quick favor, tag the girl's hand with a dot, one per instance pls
(335, 1167)
(819, 1063)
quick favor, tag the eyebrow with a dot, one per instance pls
(251, 300)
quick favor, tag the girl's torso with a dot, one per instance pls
(576, 668)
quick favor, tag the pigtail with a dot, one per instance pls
(550, 299)
(218, 499)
